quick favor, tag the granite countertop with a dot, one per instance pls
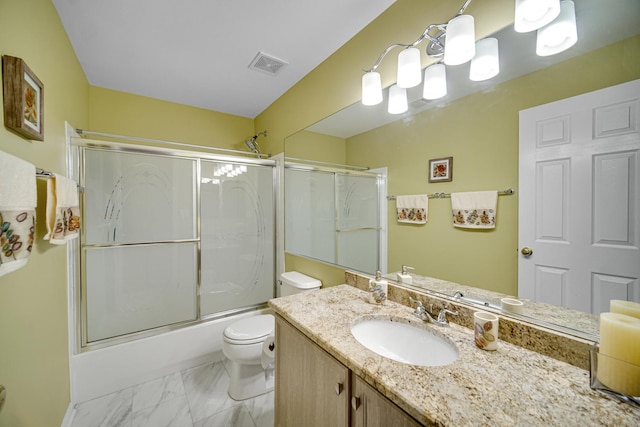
(507, 387)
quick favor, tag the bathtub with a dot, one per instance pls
(103, 371)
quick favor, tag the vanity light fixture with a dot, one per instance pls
(460, 50)
(533, 14)
(461, 40)
(435, 81)
(554, 20)
(397, 100)
(371, 88)
(560, 34)
(486, 63)
(409, 69)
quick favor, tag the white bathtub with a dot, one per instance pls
(103, 371)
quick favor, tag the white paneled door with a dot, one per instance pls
(579, 208)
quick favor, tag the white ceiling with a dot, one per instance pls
(197, 52)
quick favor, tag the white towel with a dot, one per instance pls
(63, 210)
(474, 209)
(18, 200)
(412, 209)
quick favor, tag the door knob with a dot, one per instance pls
(339, 388)
(526, 251)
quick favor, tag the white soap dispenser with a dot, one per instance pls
(404, 277)
(378, 288)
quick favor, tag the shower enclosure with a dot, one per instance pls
(334, 216)
(170, 238)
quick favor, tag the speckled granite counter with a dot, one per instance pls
(508, 387)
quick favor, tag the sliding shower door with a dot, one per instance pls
(333, 216)
(171, 238)
(358, 230)
(140, 242)
(310, 210)
(237, 227)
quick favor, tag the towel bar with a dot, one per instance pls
(506, 192)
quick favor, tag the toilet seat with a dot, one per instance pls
(251, 330)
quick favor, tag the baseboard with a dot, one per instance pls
(69, 415)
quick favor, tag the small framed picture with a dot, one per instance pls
(23, 99)
(441, 170)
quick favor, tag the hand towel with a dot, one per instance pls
(474, 209)
(412, 209)
(18, 200)
(63, 210)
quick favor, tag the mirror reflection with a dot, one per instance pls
(477, 125)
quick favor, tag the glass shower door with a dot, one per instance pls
(237, 236)
(358, 231)
(139, 242)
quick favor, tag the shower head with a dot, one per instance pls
(252, 143)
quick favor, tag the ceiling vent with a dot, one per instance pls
(267, 64)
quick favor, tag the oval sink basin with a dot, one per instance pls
(405, 343)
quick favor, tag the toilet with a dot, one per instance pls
(243, 340)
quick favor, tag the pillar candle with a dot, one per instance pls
(629, 308)
(619, 354)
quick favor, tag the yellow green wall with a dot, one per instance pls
(318, 147)
(34, 364)
(126, 114)
(481, 133)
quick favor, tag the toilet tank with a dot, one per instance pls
(294, 282)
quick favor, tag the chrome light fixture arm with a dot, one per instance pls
(435, 47)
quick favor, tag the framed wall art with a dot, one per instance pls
(23, 95)
(441, 170)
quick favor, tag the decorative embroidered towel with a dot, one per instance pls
(18, 200)
(63, 210)
(474, 209)
(412, 209)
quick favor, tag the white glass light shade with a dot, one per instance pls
(460, 41)
(435, 82)
(486, 63)
(533, 14)
(371, 88)
(409, 69)
(397, 100)
(560, 34)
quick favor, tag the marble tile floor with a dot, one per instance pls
(195, 397)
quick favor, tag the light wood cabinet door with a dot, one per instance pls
(311, 387)
(371, 409)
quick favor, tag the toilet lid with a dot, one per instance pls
(250, 328)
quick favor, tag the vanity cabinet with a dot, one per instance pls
(313, 389)
(372, 409)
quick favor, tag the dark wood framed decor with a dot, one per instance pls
(23, 95)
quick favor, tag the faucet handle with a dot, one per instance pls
(416, 301)
(419, 308)
(442, 316)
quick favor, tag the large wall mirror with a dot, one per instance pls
(477, 124)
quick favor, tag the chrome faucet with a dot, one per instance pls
(422, 313)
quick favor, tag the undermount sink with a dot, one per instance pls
(404, 342)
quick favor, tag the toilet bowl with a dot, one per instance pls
(242, 344)
(243, 341)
